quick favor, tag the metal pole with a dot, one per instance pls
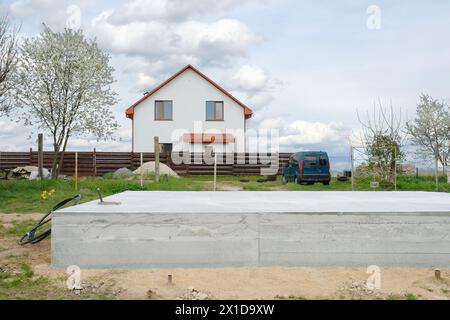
(436, 173)
(395, 168)
(76, 171)
(94, 162)
(40, 155)
(215, 170)
(156, 142)
(448, 174)
(352, 167)
(141, 171)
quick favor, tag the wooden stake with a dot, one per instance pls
(169, 279)
(156, 140)
(76, 171)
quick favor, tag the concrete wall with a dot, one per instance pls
(189, 93)
(144, 240)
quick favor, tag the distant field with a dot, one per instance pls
(23, 196)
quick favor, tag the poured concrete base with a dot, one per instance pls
(206, 229)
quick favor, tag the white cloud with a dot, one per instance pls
(170, 10)
(304, 132)
(209, 43)
(54, 13)
(22, 8)
(271, 123)
(8, 127)
(158, 47)
(144, 81)
(249, 78)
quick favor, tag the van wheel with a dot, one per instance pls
(310, 183)
(326, 183)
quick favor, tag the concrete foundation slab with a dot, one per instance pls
(162, 229)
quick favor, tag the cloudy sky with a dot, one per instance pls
(303, 66)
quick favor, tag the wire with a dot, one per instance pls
(39, 232)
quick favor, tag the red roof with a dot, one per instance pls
(130, 110)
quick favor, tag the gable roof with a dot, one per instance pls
(130, 110)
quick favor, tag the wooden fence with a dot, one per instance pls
(98, 163)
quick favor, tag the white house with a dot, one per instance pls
(188, 112)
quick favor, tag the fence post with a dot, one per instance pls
(40, 155)
(156, 142)
(31, 157)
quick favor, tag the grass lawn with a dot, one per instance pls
(23, 196)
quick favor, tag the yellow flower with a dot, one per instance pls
(44, 195)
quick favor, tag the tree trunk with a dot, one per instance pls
(55, 169)
(62, 153)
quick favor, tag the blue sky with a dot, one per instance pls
(304, 66)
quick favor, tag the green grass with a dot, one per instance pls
(17, 229)
(406, 296)
(23, 284)
(9, 280)
(23, 196)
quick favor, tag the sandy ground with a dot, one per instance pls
(233, 283)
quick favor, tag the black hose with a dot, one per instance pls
(38, 232)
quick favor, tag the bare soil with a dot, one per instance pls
(223, 283)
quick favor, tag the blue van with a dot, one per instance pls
(307, 167)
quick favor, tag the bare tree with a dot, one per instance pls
(383, 139)
(430, 130)
(64, 88)
(8, 61)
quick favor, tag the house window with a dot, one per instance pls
(214, 110)
(163, 110)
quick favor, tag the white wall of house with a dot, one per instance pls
(189, 93)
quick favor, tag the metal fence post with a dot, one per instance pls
(352, 167)
(156, 142)
(436, 173)
(215, 170)
(395, 168)
(94, 162)
(76, 171)
(141, 170)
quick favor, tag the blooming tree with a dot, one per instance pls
(8, 61)
(64, 88)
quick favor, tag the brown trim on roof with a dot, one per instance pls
(208, 138)
(130, 110)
